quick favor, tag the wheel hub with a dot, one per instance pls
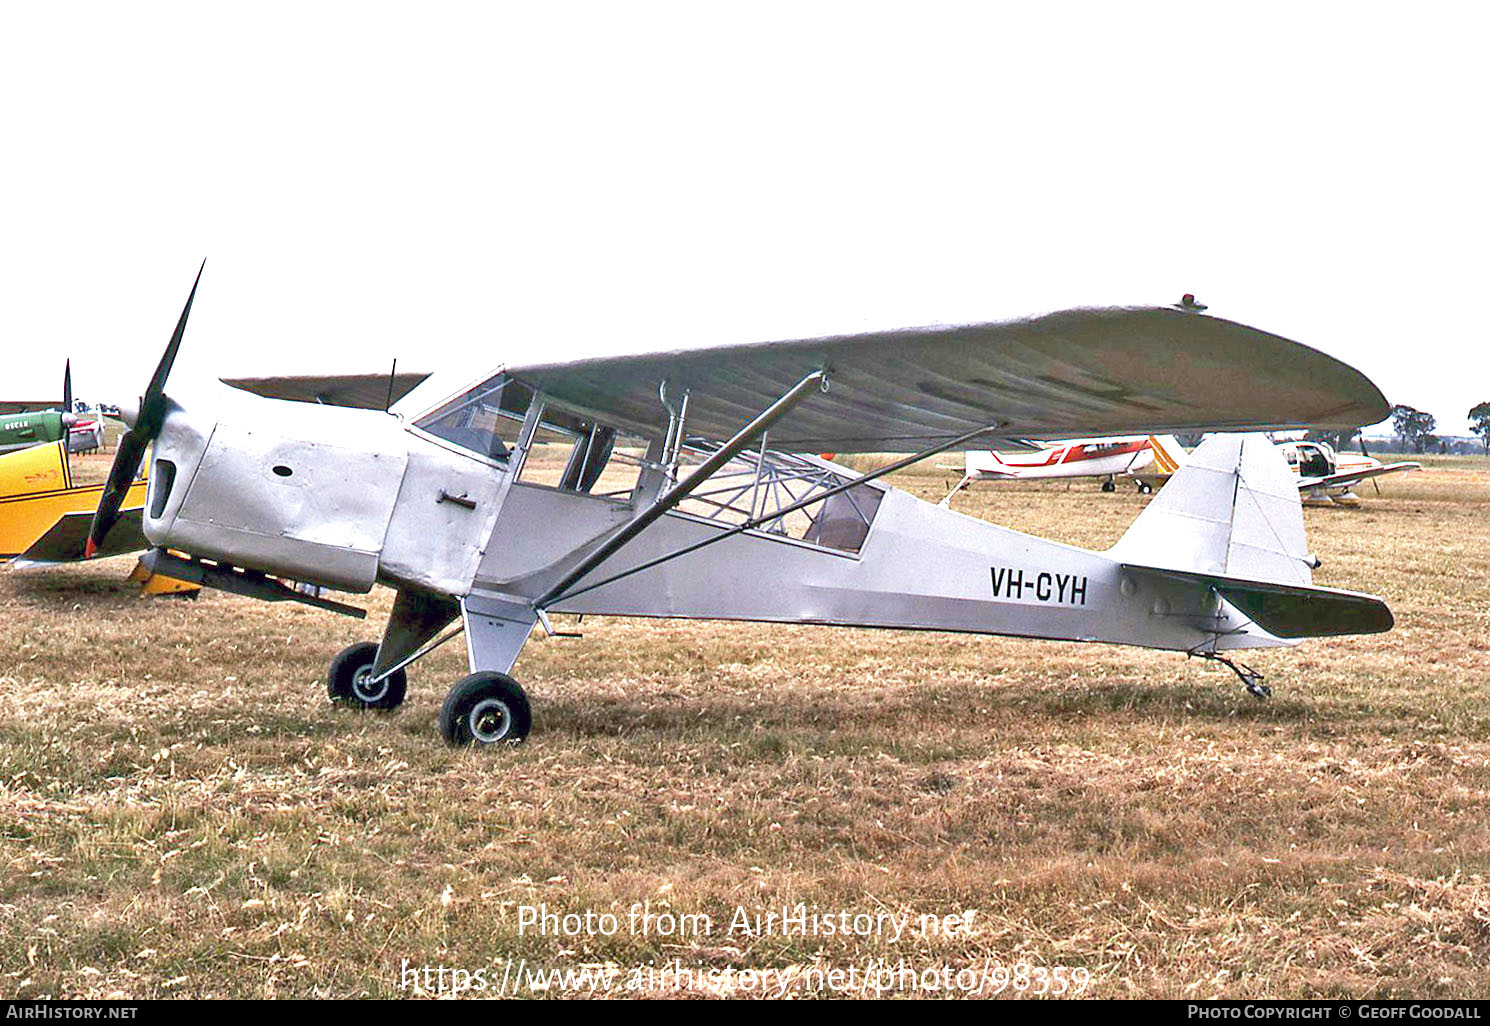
(490, 720)
(365, 692)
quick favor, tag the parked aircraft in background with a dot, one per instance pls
(1323, 475)
(678, 491)
(1109, 458)
(87, 433)
(24, 424)
(1328, 476)
(38, 493)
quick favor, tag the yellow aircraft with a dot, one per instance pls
(39, 501)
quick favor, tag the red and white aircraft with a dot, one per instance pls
(1140, 457)
(1323, 474)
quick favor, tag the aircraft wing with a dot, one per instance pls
(64, 541)
(21, 406)
(359, 391)
(1353, 476)
(1076, 372)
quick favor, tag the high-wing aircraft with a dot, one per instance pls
(671, 485)
(24, 424)
(1108, 458)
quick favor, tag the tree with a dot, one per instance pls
(1414, 427)
(1338, 440)
(1479, 419)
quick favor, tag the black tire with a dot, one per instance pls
(352, 665)
(486, 709)
(1144, 488)
(1108, 486)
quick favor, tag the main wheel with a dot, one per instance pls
(487, 709)
(347, 680)
(1144, 488)
(1108, 486)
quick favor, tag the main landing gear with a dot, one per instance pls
(484, 708)
(349, 681)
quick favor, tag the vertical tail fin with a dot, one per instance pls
(1232, 509)
(1169, 455)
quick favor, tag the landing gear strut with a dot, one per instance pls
(1250, 678)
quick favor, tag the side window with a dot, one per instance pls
(486, 420)
(577, 454)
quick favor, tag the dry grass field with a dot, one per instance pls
(182, 813)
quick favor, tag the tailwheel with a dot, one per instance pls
(350, 681)
(486, 709)
(1250, 678)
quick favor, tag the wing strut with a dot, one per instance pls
(900, 464)
(680, 491)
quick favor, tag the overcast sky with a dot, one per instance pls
(456, 185)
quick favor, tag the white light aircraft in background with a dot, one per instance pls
(1328, 476)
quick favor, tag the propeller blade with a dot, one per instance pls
(67, 387)
(152, 403)
(137, 439)
(121, 475)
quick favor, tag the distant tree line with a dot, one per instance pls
(1413, 428)
(1479, 423)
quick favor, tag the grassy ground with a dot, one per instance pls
(182, 813)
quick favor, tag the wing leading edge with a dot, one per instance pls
(1077, 372)
(358, 391)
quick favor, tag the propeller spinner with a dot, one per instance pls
(143, 429)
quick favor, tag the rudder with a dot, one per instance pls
(1231, 510)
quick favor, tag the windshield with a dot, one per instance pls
(485, 420)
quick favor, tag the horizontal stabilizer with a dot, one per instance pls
(64, 541)
(1289, 610)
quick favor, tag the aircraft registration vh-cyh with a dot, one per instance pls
(684, 492)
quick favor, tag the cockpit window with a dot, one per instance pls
(486, 420)
(578, 454)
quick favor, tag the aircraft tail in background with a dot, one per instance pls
(1169, 455)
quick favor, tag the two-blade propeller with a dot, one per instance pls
(142, 431)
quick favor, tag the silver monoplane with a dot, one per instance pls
(675, 485)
